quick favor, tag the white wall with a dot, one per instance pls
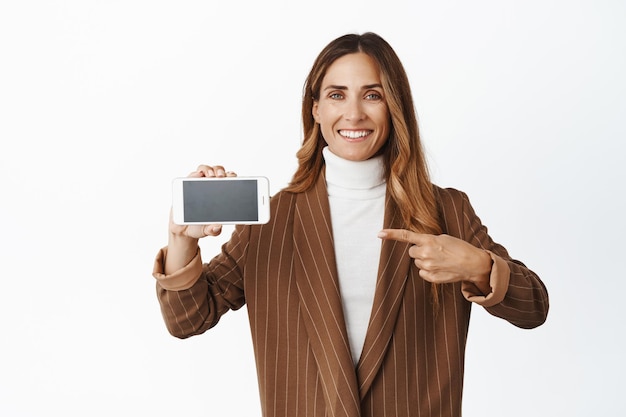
(521, 104)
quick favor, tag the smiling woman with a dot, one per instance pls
(345, 317)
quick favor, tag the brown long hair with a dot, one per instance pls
(408, 180)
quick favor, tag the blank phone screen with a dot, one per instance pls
(218, 201)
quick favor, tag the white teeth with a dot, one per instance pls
(354, 134)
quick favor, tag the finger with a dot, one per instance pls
(202, 171)
(212, 229)
(211, 171)
(195, 174)
(230, 174)
(219, 171)
(427, 275)
(401, 235)
(416, 253)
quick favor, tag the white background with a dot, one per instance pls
(521, 105)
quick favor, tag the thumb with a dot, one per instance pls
(212, 229)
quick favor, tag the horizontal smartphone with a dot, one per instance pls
(228, 200)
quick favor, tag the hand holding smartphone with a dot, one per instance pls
(220, 200)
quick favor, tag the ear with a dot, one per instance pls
(314, 111)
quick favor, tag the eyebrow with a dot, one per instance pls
(343, 87)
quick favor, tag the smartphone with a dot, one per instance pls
(228, 200)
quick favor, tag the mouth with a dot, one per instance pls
(355, 134)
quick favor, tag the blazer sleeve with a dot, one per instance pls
(518, 294)
(193, 299)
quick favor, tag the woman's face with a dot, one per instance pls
(351, 110)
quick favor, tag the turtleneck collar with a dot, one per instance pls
(342, 174)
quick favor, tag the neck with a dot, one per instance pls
(359, 175)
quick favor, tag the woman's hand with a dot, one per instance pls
(182, 246)
(443, 258)
(200, 231)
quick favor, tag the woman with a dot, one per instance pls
(359, 289)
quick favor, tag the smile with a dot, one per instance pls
(354, 134)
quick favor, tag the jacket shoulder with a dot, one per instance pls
(448, 195)
(282, 198)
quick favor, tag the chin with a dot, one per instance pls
(356, 157)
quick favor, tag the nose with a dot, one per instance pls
(354, 110)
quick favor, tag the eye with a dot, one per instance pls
(335, 96)
(373, 96)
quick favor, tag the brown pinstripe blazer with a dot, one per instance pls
(413, 356)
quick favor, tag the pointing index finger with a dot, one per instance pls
(401, 235)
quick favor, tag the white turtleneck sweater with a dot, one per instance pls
(356, 192)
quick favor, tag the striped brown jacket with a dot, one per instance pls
(285, 272)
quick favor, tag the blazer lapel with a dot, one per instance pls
(320, 300)
(392, 276)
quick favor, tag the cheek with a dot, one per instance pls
(387, 125)
(385, 118)
(327, 132)
(326, 120)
